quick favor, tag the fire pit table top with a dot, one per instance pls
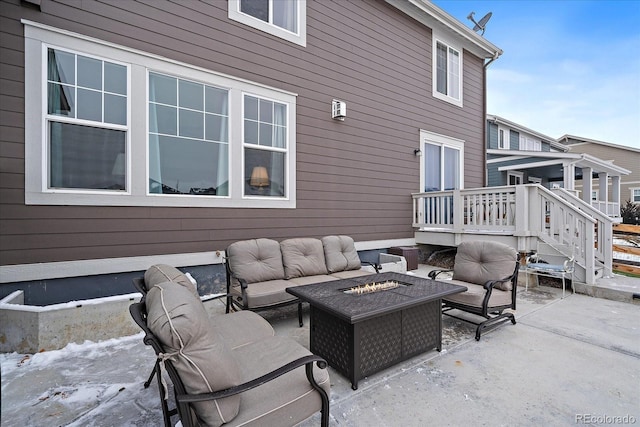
(334, 296)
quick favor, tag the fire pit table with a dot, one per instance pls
(365, 324)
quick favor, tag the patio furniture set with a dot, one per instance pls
(231, 369)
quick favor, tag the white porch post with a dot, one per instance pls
(587, 181)
(615, 195)
(603, 190)
(569, 176)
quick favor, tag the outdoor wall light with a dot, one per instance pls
(338, 110)
(417, 152)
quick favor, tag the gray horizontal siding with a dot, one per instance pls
(353, 177)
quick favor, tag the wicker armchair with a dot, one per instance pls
(489, 270)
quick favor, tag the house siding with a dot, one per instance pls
(353, 177)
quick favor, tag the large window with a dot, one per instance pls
(447, 72)
(282, 18)
(86, 122)
(530, 144)
(115, 126)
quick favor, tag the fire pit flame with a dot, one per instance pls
(372, 287)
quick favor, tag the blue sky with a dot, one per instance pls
(568, 67)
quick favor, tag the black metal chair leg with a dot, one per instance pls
(151, 375)
(300, 314)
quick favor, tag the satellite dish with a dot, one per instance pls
(480, 25)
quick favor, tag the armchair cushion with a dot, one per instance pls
(480, 261)
(161, 273)
(194, 345)
(256, 260)
(340, 254)
(302, 257)
(474, 295)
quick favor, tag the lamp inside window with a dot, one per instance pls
(259, 178)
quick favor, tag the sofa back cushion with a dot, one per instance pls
(161, 273)
(340, 254)
(256, 260)
(478, 262)
(194, 346)
(302, 257)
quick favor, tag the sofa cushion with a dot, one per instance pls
(474, 295)
(348, 274)
(340, 253)
(193, 344)
(240, 328)
(256, 260)
(287, 400)
(480, 261)
(263, 294)
(302, 257)
(160, 273)
(308, 280)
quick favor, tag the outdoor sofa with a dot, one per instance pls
(260, 270)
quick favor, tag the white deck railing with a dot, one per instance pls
(557, 218)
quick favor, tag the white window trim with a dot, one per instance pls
(299, 38)
(507, 138)
(39, 36)
(526, 141)
(516, 174)
(631, 190)
(444, 40)
(427, 137)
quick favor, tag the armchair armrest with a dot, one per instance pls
(306, 361)
(434, 273)
(375, 265)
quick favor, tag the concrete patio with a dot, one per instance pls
(567, 361)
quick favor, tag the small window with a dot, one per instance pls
(447, 63)
(281, 18)
(635, 195)
(530, 144)
(503, 139)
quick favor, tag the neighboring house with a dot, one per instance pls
(142, 132)
(518, 155)
(626, 157)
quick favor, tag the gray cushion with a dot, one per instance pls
(195, 347)
(474, 295)
(308, 280)
(241, 328)
(302, 257)
(256, 260)
(340, 253)
(479, 261)
(263, 294)
(351, 273)
(288, 399)
(160, 273)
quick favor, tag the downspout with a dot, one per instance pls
(484, 115)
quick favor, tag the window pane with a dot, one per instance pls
(279, 137)
(441, 68)
(61, 100)
(191, 124)
(61, 67)
(115, 109)
(216, 128)
(191, 95)
(89, 72)
(86, 157)
(280, 114)
(266, 111)
(285, 15)
(256, 8)
(266, 135)
(187, 166)
(163, 89)
(264, 173)
(89, 105)
(115, 78)
(451, 169)
(454, 74)
(163, 119)
(432, 167)
(250, 132)
(216, 101)
(250, 108)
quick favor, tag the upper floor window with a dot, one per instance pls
(120, 127)
(530, 144)
(281, 18)
(447, 72)
(503, 139)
